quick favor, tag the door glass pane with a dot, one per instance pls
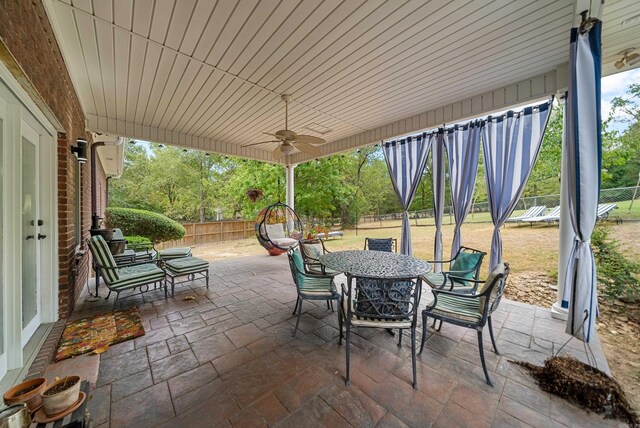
(29, 280)
(2, 299)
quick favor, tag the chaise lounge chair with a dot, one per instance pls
(551, 217)
(531, 212)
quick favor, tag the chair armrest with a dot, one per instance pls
(439, 261)
(461, 278)
(143, 262)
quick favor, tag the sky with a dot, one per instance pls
(615, 86)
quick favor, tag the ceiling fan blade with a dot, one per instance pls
(309, 139)
(307, 148)
(277, 153)
(270, 134)
(261, 142)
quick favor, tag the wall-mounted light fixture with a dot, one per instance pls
(80, 150)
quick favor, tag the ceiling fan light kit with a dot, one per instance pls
(288, 140)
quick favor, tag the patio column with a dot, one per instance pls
(290, 185)
(566, 230)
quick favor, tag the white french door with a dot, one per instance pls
(28, 222)
(31, 236)
(3, 296)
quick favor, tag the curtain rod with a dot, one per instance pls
(472, 123)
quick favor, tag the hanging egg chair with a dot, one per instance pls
(278, 228)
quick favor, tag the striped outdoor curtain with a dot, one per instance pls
(406, 160)
(463, 146)
(511, 144)
(583, 151)
(437, 170)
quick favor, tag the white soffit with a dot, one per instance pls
(208, 75)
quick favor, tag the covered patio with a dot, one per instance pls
(209, 76)
(228, 358)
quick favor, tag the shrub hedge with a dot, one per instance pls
(150, 225)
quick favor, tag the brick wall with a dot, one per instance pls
(29, 49)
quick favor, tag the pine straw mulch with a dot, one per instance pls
(583, 385)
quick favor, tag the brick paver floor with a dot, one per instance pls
(228, 358)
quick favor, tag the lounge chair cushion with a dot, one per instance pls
(380, 244)
(187, 265)
(177, 252)
(284, 242)
(132, 276)
(464, 262)
(100, 250)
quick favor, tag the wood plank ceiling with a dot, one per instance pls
(208, 74)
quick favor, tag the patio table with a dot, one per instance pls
(375, 264)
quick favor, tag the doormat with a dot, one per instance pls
(91, 333)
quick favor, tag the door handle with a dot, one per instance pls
(41, 236)
(30, 237)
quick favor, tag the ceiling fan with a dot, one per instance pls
(289, 140)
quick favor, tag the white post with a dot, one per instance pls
(290, 185)
(566, 232)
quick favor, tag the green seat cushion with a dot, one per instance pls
(315, 286)
(457, 307)
(132, 276)
(187, 265)
(297, 259)
(175, 252)
(463, 263)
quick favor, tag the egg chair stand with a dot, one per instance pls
(278, 228)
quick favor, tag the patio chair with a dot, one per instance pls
(469, 310)
(309, 286)
(380, 303)
(463, 267)
(119, 278)
(531, 212)
(311, 250)
(389, 245)
(604, 210)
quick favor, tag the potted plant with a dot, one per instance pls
(254, 194)
(61, 395)
(26, 392)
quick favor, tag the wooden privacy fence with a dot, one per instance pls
(214, 231)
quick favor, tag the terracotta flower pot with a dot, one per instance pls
(56, 400)
(31, 397)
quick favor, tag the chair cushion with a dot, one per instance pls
(297, 259)
(284, 242)
(187, 265)
(313, 250)
(464, 262)
(385, 244)
(317, 286)
(132, 276)
(100, 250)
(315, 269)
(274, 231)
(457, 307)
(176, 252)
